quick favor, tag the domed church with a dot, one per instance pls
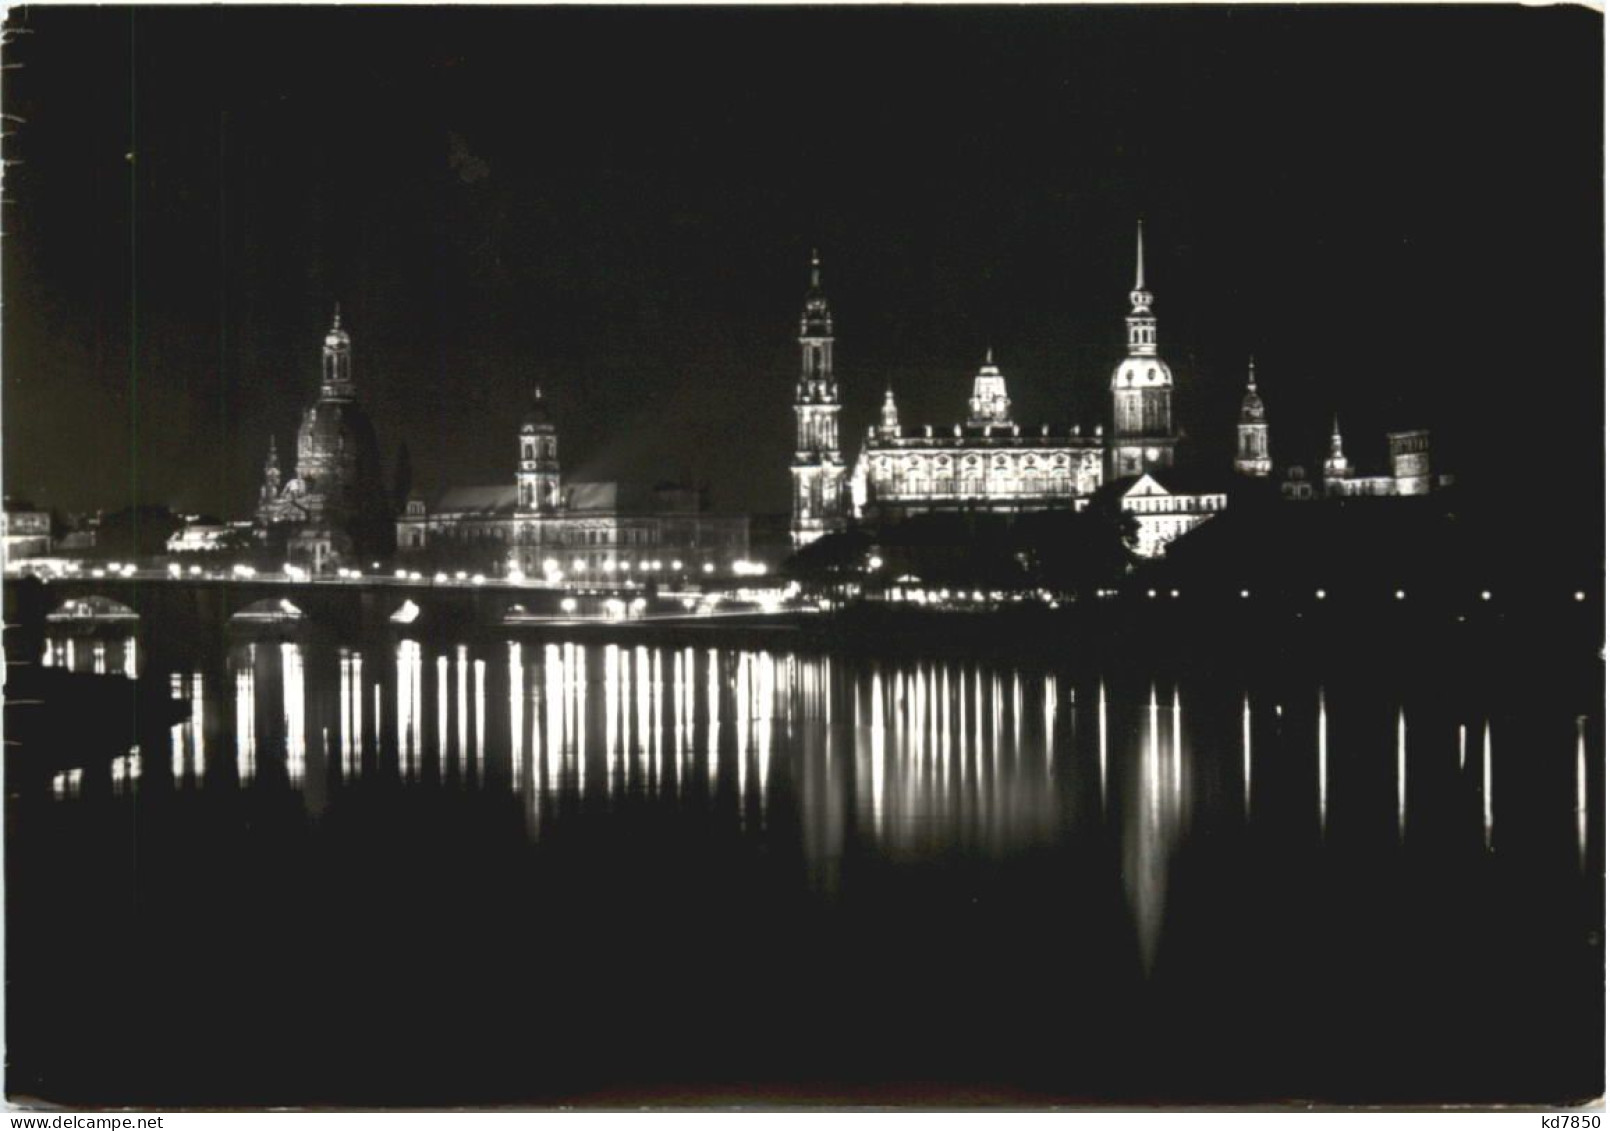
(334, 509)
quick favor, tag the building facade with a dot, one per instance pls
(992, 463)
(989, 463)
(578, 532)
(334, 508)
(27, 531)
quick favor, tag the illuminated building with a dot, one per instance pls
(820, 506)
(577, 531)
(992, 463)
(27, 531)
(334, 508)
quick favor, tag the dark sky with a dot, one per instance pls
(1398, 210)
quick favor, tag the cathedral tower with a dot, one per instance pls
(1252, 434)
(538, 476)
(1142, 388)
(818, 470)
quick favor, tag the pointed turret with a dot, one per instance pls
(271, 473)
(1337, 468)
(889, 419)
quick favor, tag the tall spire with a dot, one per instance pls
(336, 325)
(1252, 374)
(816, 269)
(1140, 255)
(1140, 299)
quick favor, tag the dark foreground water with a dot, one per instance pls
(527, 869)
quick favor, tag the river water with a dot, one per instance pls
(540, 868)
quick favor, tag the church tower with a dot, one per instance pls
(538, 477)
(818, 470)
(1252, 434)
(1142, 388)
(990, 404)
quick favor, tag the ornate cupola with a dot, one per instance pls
(1143, 435)
(990, 404)
(889, 418)
(1252, 433)
(336, 383)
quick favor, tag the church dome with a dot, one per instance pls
(332, 425)
(1142, 373)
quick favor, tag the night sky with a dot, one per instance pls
(1399, 211)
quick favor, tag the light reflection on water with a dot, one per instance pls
(914, 759)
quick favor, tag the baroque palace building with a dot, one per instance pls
(579, 532)
(992, 463)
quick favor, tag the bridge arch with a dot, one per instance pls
(92, 610)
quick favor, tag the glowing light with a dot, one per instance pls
(568, 605)
(1582, 789)
(1324, 761)
(1403, 773)
(550, 565)
(1246, 752)
(1487, 783)
(1245, 594)
(677, 565)
(1486, 595)
(709, 567)
(1581, 596)
(1400, 594)
(1101, 726)
(1319, 594)
(874, 562)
